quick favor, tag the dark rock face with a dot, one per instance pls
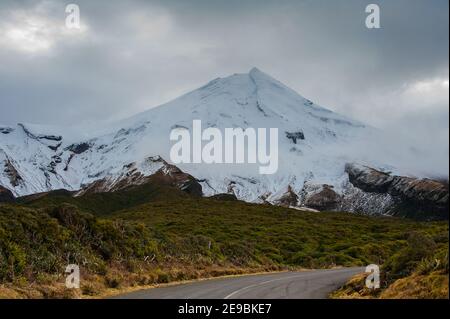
(6, 196)
(324, 199)
(50, 138)
(289, 199)
(6, 130)
(172, 175)
(417, 198)
(31, 135)
(54, 147)
(78, 148)
(294, 136)
(368, 179)
(13, 175)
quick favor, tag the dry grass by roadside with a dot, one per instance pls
(118, 281)
(431, 286)
(416, 286)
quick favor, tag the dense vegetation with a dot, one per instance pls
(417, 270)
(152, 234)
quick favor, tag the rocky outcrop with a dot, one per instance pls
(56, 138)
(320, 197)
(78, 148)
(418, 198)
(6, 196)
(368, 179)
(130, 176)
(172, 175)
(11, 172)
(288, 199)
(294, 136)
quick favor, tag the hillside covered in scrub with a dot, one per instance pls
(153, 233)
(418, 270)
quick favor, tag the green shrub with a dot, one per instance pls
(36, 241)
(405, 261)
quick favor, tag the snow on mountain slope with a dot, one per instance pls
(314, 143)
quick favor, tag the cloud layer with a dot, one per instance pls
(134, 55)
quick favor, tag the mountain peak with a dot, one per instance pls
(256, 73)
(255, 70)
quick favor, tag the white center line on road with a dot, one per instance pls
(256, 285)
(269, 281)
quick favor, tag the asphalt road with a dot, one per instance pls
(314, 284)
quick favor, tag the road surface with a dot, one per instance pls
(314, 284)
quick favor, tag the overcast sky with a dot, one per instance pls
(129, 56)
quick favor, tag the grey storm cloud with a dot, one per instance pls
(133, 55)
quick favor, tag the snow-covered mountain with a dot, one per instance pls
(315, 144)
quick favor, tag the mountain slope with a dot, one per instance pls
(315, 144)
